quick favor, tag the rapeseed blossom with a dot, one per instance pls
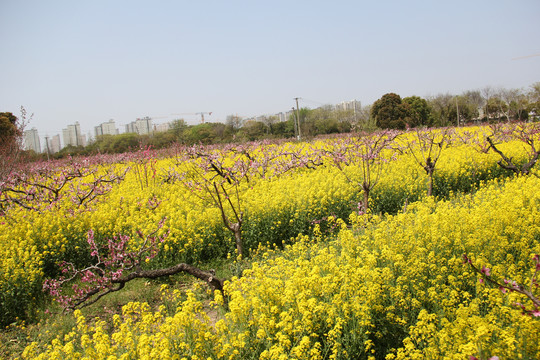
(393, 288)
(379, 286)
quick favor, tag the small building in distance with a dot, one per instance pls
(140, 126)
(72, 135)
(162, 127)
(106, 128)
(349, 105)
(31, 140)
(54, 144)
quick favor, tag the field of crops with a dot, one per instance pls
(337, 275)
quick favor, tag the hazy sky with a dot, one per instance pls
(91, 61)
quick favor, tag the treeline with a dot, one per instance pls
(486, 105)
(390, 111)
(181, 132)
(324, 122)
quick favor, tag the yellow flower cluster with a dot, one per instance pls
(136, 334)
(276, 210)
(393, 287)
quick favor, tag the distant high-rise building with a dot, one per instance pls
(98, 131)
(144, 126)
(162, 127)
(82, 140)
(130, 128)
(54, 144)
(140, 126)
(31, 140)
(289, 113)
(106, 128)
(109, 128)
(349, 105)
(73, 136)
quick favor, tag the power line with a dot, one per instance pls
(313, 101)
(525, 57)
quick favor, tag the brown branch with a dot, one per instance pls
(525, 168)
(222, 210)
(207, 276)
(509, 164)
(515, 286)
(238, 218)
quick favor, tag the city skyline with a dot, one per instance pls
(74, 135)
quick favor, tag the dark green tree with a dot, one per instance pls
(390, 112)
(11, 131)
(284, 129)
(420, 111)
(9, 128)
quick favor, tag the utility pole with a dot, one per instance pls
(298, 118)
(354, 111)
(294, 122)
(457, 111)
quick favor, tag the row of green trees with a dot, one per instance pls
(181, 132)
(390, 111)
(486, 105)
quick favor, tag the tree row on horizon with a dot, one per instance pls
(389, 112)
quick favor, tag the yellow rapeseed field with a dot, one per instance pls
(393, 288)
(391, 284)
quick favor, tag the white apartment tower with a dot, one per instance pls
(54, 144)
(282, 117)
(140, 126)
(73, 136)
(162, 127)
(106, 128)
(349, 105)
(31, 140)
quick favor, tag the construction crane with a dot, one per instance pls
(198, 113)
(202, 115)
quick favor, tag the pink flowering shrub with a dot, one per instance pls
(118, 257)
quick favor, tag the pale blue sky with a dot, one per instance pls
(90, 61)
